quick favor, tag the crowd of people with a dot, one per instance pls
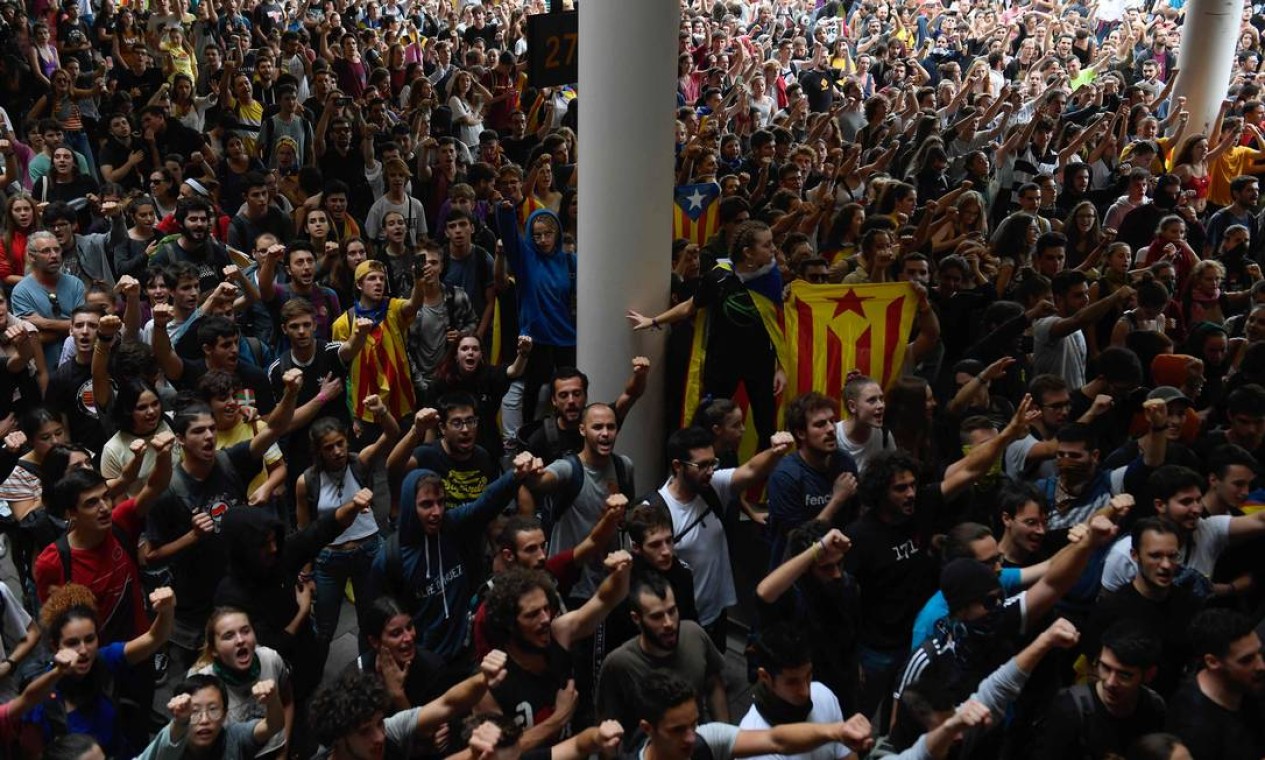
(289, 329)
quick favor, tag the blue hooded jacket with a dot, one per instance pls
(436, 583)
(546, 282)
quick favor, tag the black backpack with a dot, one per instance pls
(710, 497)
(557, 503)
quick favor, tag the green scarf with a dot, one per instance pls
(233, 678)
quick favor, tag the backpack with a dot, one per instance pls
(557, 504)
(311, 481)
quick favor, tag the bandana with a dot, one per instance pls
(775, 710)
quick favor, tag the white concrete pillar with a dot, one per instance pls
(1209, 39)
(628, 51)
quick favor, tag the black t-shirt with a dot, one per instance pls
(70, 393)
(817, 85)
(530, 697)
(1168, 619)
(735, 328)
(324, 362)
(1212, 732)
(895, 571)
(115, 154)
(464, 481)
(1070, 734)
(540, 442)
(197, 570)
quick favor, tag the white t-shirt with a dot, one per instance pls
(1200, 552)
(826, 709)
(704, 548)
(720, 738)
(1064, 356)
(861, 453)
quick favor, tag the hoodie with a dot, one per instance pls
(265, 590)
(440, 572)
(546, 282)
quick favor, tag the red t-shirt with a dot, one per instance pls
(109, 571)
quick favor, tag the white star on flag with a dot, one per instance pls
(696, 200)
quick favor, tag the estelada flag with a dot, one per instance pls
(696, 212)
(820, 333)
(833, 329)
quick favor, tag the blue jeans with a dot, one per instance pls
(333, 569)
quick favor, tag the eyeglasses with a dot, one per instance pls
(214, 712)
(463, 423)
(703, 466)
(1057, 407)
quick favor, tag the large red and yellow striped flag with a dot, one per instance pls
(696, 212)
(820, 333)
(833, 329)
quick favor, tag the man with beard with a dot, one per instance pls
(523, 617)
(983, 628)
(1178, 493)
(698, 495)
(194, 244)
(817, 479)
(184, 525)
(383, 365)
(1245, 191)
(578, 486)
(558, 435)
(1152, 599)
(521, 543)
(46, 296)
(810, 590)
(664, 643)
(785, 691)
(300, 262)
(890, 560)
(1217, 713)
(464, 466)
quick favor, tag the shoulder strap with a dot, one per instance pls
(63, 552)
(714, 507)
(312, 482)
(622, 478)
(126, 541)
(568, 496)
(552, 434)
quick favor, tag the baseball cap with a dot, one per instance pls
(1167, 394)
